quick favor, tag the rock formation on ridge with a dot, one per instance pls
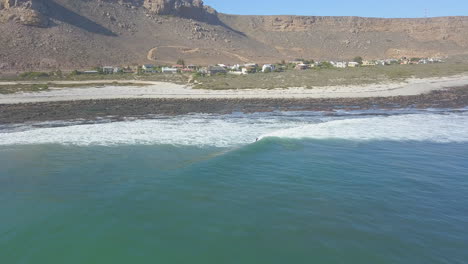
(76, 34)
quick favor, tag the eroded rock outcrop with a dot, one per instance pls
(34, 12)
(26, 12)
(86, 33)
(26, 4)
(184, 8)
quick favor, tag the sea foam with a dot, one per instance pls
(441, 128)
(222, 131)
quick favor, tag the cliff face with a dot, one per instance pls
(70, 34)
(37, 5)
(175, 7)
(339, 37)
(36, 12)
(193, 9)
(26, 12)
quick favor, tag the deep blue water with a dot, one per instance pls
(279, 200)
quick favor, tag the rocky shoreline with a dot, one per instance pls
(119, 109)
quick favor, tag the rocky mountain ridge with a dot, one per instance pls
(40, 9)
(70, 34)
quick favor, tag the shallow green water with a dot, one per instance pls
(398, 199)
(278, 201)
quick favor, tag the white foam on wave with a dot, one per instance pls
(194, 131)
(229, 131)
(441, 128)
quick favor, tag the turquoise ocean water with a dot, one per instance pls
(355, 187)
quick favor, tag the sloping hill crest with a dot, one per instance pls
(74, 34)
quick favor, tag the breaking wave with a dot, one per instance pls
(441, 128)
(227, 131)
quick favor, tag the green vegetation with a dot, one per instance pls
(26, 87)
(79, 76)
(305, 61)
(325, 65)
(8, 89)
(325, 76)
(197, 74)
(74, 73)
(284, 76)
(180, 62)
(358, 59)
(34, 75)
(99, 70)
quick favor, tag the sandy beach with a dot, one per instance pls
(117, 102)
(159, 90)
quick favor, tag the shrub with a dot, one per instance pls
(397, 74)
(180, 62)
(358, 59)
(197, 74)
(75, 72)
(34, 75)
(326, 65)
(99, 70)
(39, 87)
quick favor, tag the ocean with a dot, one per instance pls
(281, 187)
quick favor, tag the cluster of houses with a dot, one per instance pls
(250, 68)
(383, 62)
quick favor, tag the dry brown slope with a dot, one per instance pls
(81, 34)
(345, 37)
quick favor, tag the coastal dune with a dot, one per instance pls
(160, 90)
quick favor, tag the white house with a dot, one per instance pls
(107, 69)
(341, 64)
(381, 62)
(213, 70)
(251, 65)
(368, 63)
(235, 67)
(235, 72)
(423, 61)
(169, 70)
(353, 64)
(90, 72)
(148, 68)
(296, 62)
(268, 68)
(302, 66)
(435, 60)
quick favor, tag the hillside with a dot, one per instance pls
(70, 34)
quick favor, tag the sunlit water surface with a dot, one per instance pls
(348, 188)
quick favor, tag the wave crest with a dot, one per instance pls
(417, 127)
(227, 131)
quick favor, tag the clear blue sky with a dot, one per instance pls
(366, 8)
